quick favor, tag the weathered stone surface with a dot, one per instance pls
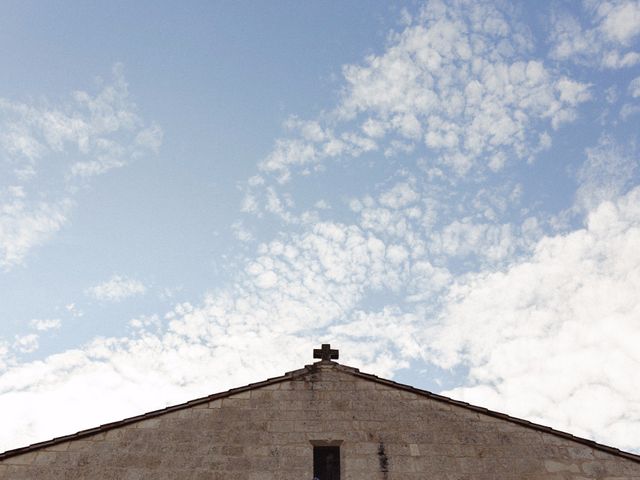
(268, 433)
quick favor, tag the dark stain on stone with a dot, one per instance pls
(384, 461)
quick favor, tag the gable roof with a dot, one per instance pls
(308, 369)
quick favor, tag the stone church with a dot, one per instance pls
(325, 421)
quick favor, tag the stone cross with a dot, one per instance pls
(325, 353)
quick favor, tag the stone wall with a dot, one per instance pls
(268, 433)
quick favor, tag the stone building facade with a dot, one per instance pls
(327, 420)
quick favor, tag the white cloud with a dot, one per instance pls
(4, 355)
(628, 110)
(49, 150)
(44, 324)
(552, 338)
(241, 232)
(614, 59)
(150, 138)
(148, 322)
(443, 79)
(104, 130)
(116, 289)
(322, 205)
(401, 195)
(449, 227)
(611, 94)
(26, 343)
(308, 151)
(620, 20)
(74, 310)
(24, 226)
(100, 165)
(463, 238)
(288, 152)
(573, 92)
(606, 42)
(367, 334)
(279, 205)
(634, 87)
(605, 174)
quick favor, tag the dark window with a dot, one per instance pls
(326, 463)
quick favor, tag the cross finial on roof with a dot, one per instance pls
(325, 353)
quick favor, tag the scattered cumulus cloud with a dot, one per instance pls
(606, 173)
(606, 38)
(634, 87)
(442, 81)
(150, 138)
(103, 130)
(401, 195)
(42, 325)
(73, 309)
(4, 355)
(25, 225)
(116, 289)
(632, 107)
(629, 110)
(26, 343)
(146, 322)
(241, 232)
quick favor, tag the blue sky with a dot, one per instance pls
(193, 198)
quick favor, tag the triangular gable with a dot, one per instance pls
(307, 374)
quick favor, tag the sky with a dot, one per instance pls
(194, 196)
